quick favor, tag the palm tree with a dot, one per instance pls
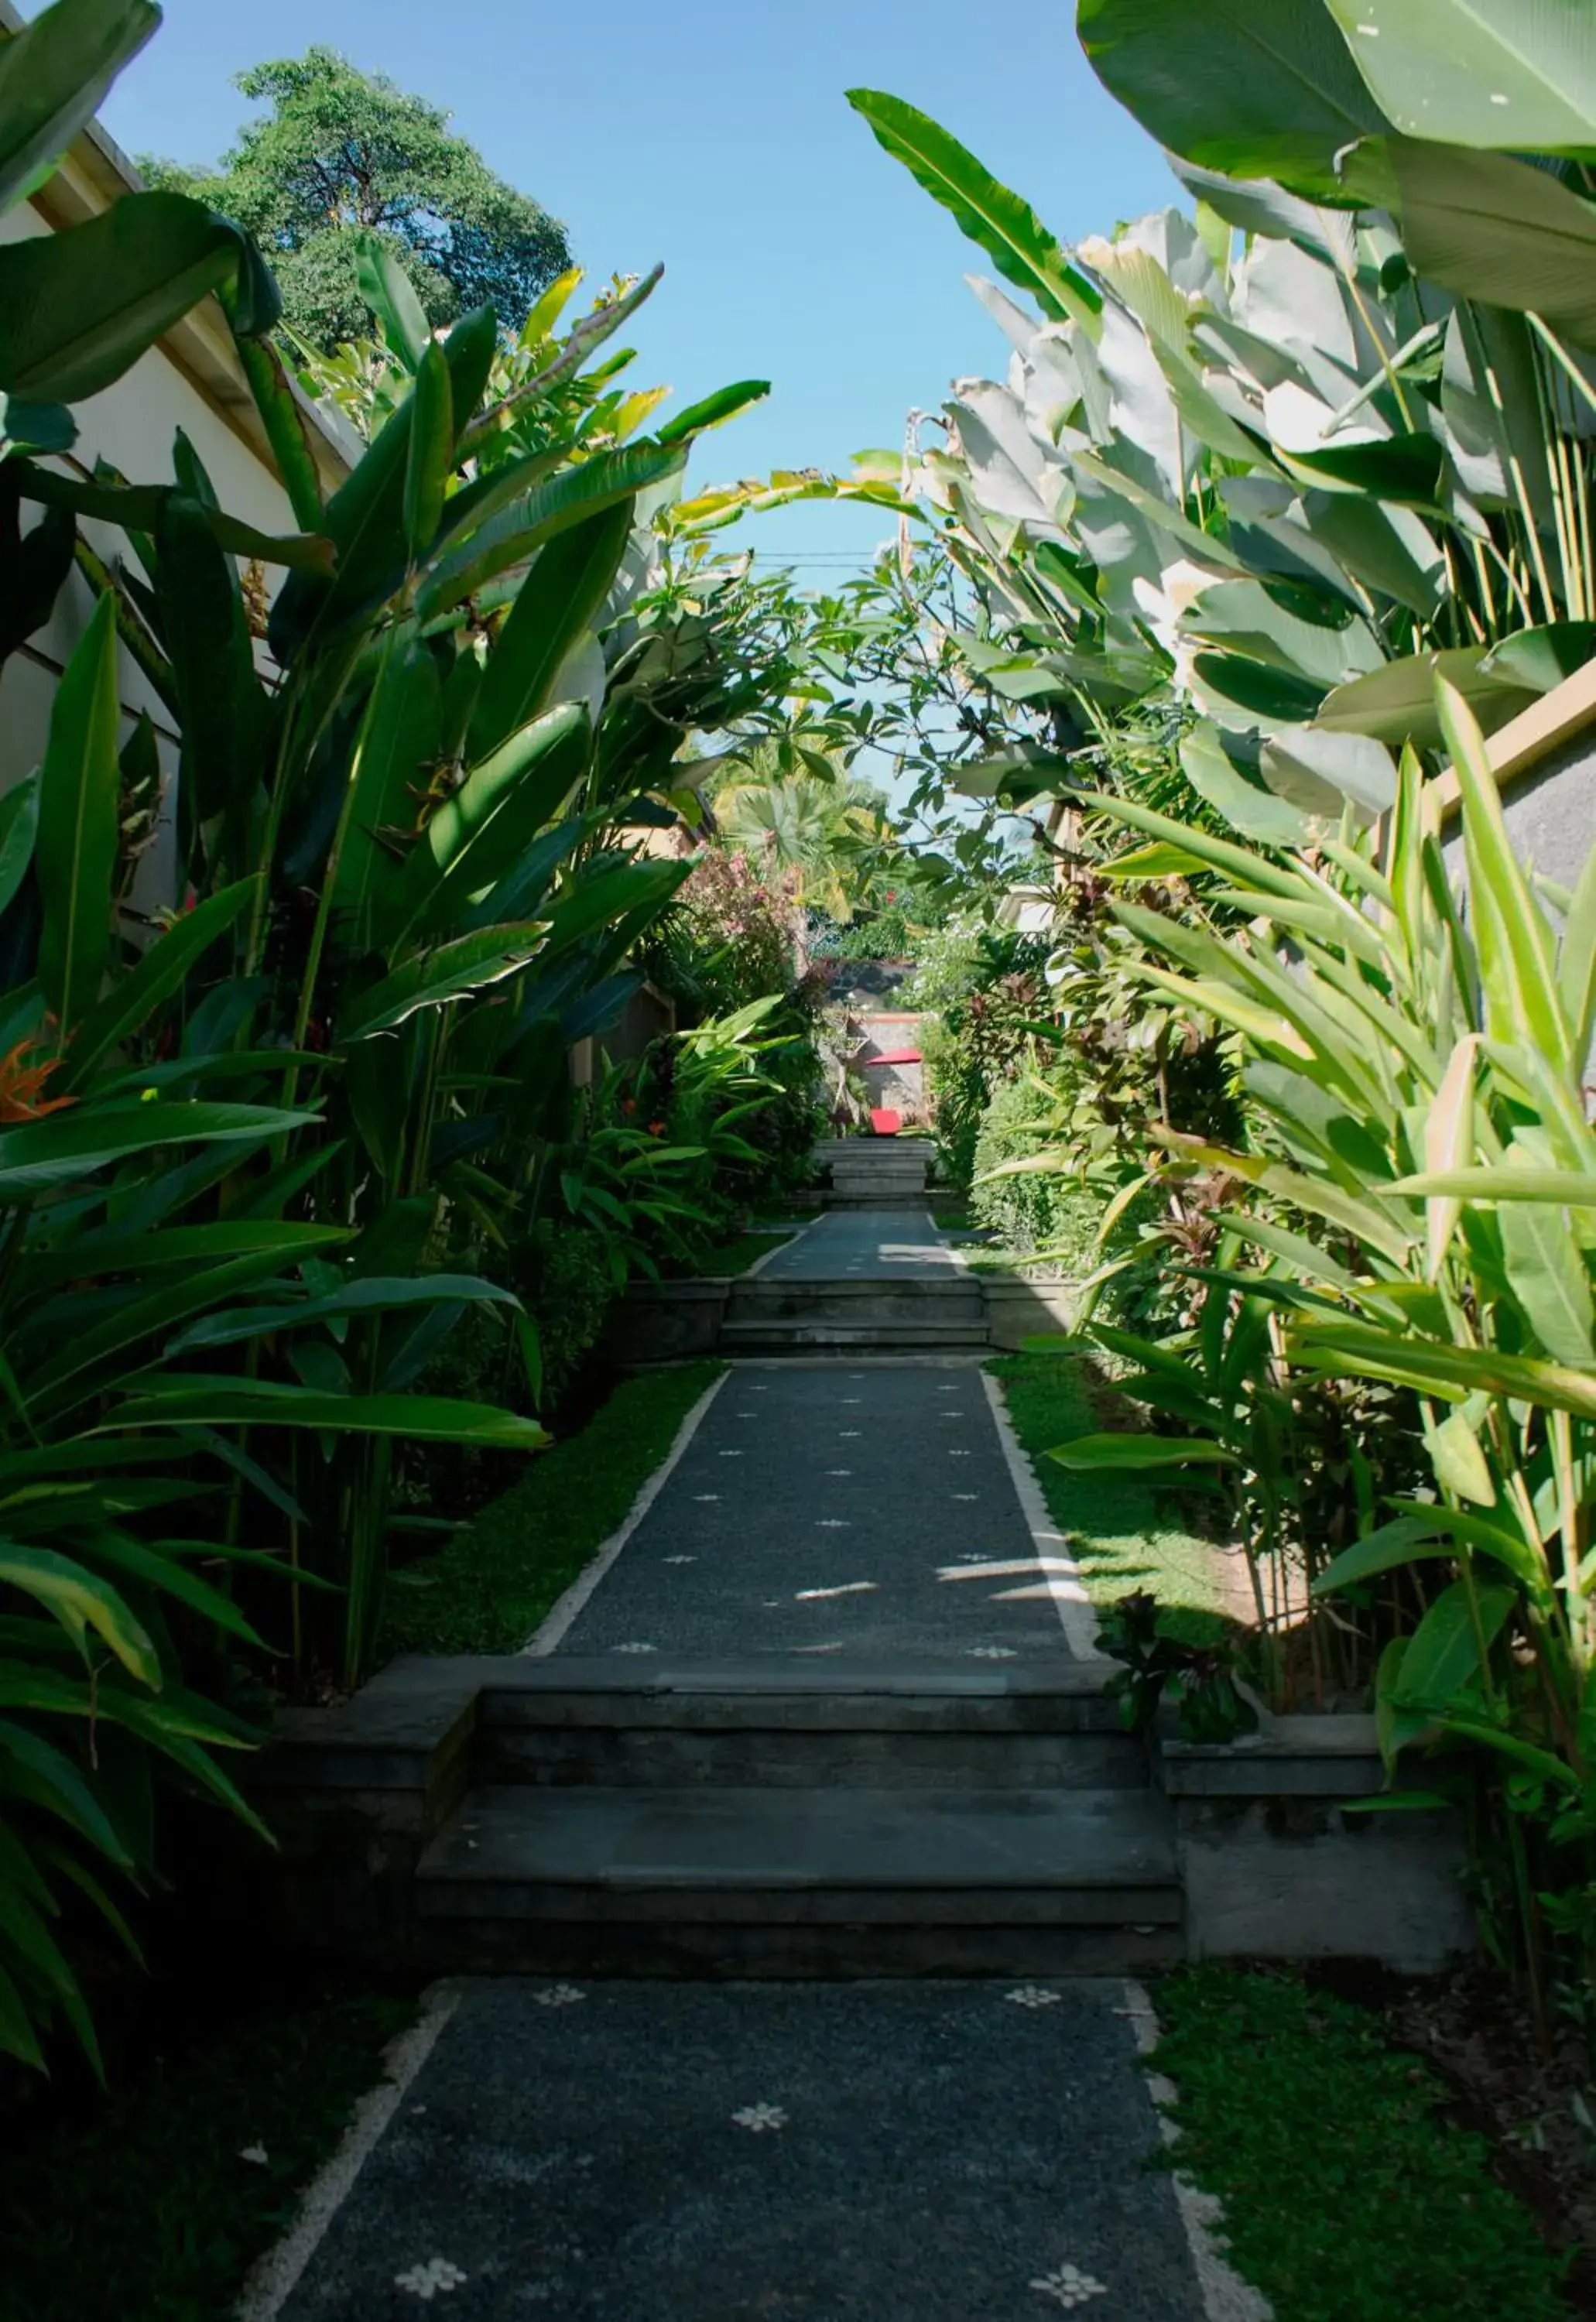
(823, 830)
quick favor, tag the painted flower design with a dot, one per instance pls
(991, 1652)
(1033, 1995)
(1071, 2287)
(638, 1649)
(425, 2282)
(681, 1559)
(760, 2117)
(559, 1995)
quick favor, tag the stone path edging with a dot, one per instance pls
(274, 2279)
(778, 1249)
(1077, 1614)
(551, 1629)
(1225, 2297)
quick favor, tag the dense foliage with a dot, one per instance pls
(287, 1149)
(1279, 504)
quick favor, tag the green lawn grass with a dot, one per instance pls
(503, 1572)
(736, 1256)
(144, 2209)
(1349, 2196)
(1124, 1533)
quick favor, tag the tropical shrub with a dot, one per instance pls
(255, 1170)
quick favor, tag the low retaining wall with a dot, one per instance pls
(1274, 1866)
(1017, 1310)
(667, 1321)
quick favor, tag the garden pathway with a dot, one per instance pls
(865, 1246)
(807, 2152)
(865, 1509)
(905, 2151)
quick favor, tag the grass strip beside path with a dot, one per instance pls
(1349, 2196)
(736, 1256)
(147, 2209)
(504, 1572)
(1115, 1525)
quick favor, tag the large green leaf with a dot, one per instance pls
(19, 831)
(80, 1601)
(1414, 1538)
(515, 533)
(158, 975)
(222, 708)
(1513, 940)
(714, 410)
(178, 1402)
(399, 748)
(1443, 1654)
(79, 793)
(1516, 74)
(137, 509)
(558, 603)
(54, 76)
(34, 567)
(1397, 703)
(431, 449)
(1251, 91)
(995, 219)
(1498, 232)
(487, 827)
(70, 1144)
(1091, 1453)
(390, 294)
(437, 978)
(372, 1294)
(78, 308)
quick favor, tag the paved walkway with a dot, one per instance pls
(693, 2152)
(867, 1512)
(865, 1246)
(904, 2152)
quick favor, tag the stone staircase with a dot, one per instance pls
(769, 1317)
(571, 1817)
(874, 1173)
(743, 1821)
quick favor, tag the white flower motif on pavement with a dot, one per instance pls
(839, 1471)
(760, 2117)
(991, 1652)
(638, 1649)
(1033, 1995)
(731, 1455)
(705, 1499)
(681, 1559)
(957, 1455)
(559, 1995)
(424, 2282)
(833, 1523)
(967, 1495)
(848, 1435)
(1071, 2287)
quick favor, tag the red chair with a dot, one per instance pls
(885, 1123)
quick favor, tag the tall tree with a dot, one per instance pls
(342, 152)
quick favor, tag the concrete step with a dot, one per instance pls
(737, 1729)
(834, 1204)
(790, 1881)
(950, 1298)
(797, 1335)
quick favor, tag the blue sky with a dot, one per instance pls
(714, 134)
